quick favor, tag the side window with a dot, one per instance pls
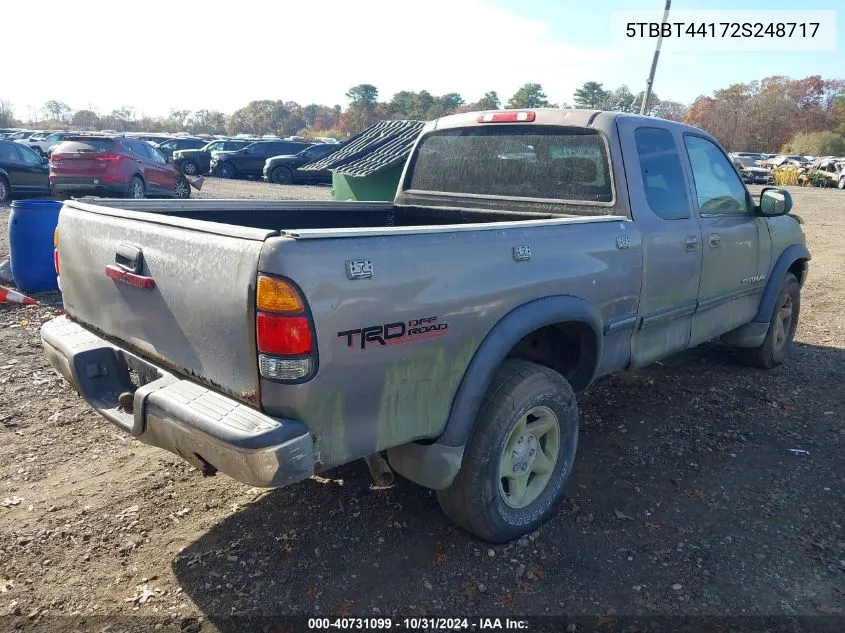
(663, 178)
(138, 148)
(718, 188)
(29, 156)
(8, 153)
(157, 156)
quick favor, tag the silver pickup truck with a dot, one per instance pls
(527, 253)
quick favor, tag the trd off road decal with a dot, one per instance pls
(394, 333)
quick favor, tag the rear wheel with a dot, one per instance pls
(189, 168)
(183, 188)
(777, 346)
(5, 190)
(136, 188)
(282, 176)
(519, 456)
(225, 170)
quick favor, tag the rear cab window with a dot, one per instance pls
(528, 162)
(660, 168)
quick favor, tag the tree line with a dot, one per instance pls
(774, 114)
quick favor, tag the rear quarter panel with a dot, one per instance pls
(364, 400)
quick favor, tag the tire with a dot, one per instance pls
(189, 168)
(136, 189)
(282, 176)
(183, 188)
(5, 190)
(777, 346)
(498, 508)
(226, 170)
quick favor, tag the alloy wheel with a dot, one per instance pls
(529, 458)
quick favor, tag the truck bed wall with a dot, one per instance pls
(279, 215)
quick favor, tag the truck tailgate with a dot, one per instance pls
(198, 319)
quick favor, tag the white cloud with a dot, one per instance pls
(163, 55)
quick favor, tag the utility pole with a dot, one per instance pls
(650, 81)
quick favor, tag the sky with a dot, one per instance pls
(163, 55)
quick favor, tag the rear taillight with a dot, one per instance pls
(283, 331)
(283, 335)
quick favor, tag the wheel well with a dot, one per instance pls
(799, 269)
(569, 348)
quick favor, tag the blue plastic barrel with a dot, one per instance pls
(31, 227)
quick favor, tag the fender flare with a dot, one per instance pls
(767, 303)
(514, 326)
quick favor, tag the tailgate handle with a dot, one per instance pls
(129, 258)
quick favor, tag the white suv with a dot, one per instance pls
(45, 145)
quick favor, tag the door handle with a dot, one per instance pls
(692, 242)
(715, 240)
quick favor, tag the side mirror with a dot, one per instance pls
(774, 202)
(45, 160)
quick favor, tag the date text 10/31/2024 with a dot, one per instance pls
(417, 624)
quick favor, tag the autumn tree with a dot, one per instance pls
(326, 118)
(490, 101)
(207, 122)
(7, 113)
(85, 120)
(619, 100)
(529, 96)
(816, 144)
(56, 110)
(591, 96)
(361, 113)
(671, 110)
(180, 117)
(122, 117)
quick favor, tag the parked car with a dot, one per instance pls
(22, 171)
(198, 161)
(249, 161)
(171, 145)
(149, 137)
(38, 135)
(20, 135)
(113, 166)
(284, 170)
(449, 327)
(44, 146)
(750, 171)
(751, 155)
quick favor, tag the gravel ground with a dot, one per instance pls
(684, 499)
(223, 188)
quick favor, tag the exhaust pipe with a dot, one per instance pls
(379, 470)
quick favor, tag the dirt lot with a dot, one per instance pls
(684, 499)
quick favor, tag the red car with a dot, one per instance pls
(113, 166)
